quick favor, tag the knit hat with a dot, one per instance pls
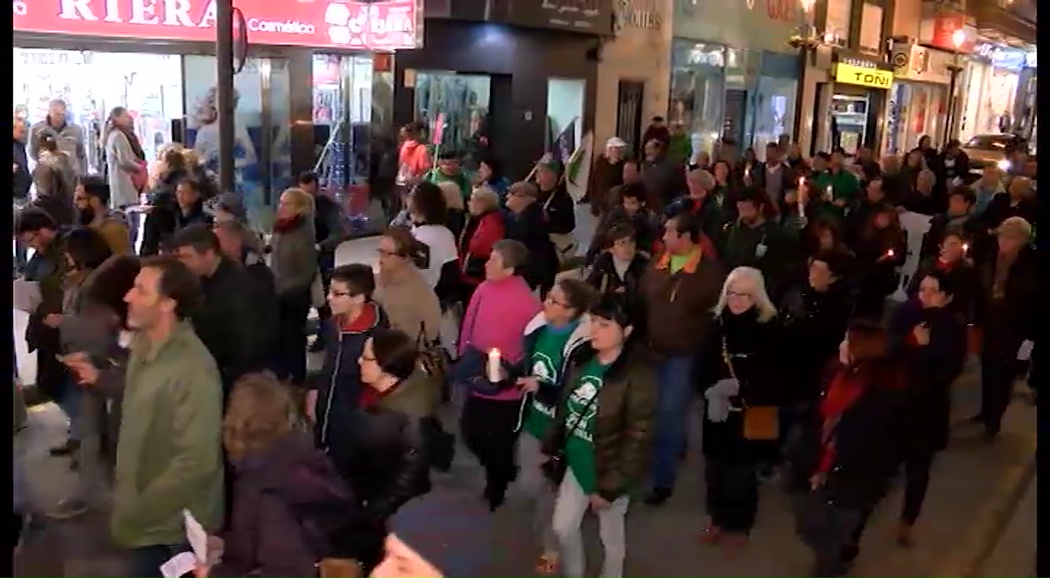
(550, 163)
(616, 143)
(232, 204)
(449, 529)
(1015, 227)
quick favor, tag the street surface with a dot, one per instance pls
(970, 482)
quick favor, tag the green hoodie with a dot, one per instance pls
(169, 451)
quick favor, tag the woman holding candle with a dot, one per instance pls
(493, 324)
(954, 261)
(881, 248)
(601, 436)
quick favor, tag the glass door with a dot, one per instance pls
(262, 159)
(457, 107)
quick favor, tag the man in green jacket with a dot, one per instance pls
(169, 453)
(449, 169)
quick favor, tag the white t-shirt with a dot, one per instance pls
(440, 248)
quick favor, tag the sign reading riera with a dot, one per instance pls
(861, 76)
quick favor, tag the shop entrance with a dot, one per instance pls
(93, 83)
(460, 104)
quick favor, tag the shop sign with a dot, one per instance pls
(863, 76)
(586, 16)
(921, 64)
(1012, 59)
(939, 32)
(644, 14)
(348, 24)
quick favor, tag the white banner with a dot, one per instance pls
(915, 226)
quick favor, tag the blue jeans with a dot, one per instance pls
(145, 562)
(675, 378)
(70, 404)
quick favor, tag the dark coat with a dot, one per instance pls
(1006, 323)
(645, 224)
(604, 278)
(558, 210)
(530, 228)
(754, 349)
(23, 180)
(195, 216)
(864, 464)
(384, 457)
(340, 387)
(48, 268)
(740, 244)
(1002, 207)
(160, 221)
(289, 505)
(227, 323)
(623, 426)
(814, 324)
(931, 370)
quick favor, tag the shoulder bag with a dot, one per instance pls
(761, 423)
(556, 465)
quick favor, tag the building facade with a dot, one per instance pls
(634, 71)
(519, 72)
(847, 77)
(734, 74)
(310, 79)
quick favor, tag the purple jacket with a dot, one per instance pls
(287, 501)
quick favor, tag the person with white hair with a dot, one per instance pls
(606, 174)
(740, 425)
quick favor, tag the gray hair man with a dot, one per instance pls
(70, 137)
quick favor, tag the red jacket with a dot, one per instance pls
(480, 234)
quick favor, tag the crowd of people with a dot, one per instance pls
(182, 365)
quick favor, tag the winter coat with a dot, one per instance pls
(623, 423)
(289, 504)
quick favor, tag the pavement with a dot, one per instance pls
(974, 490)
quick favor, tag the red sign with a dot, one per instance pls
(349, 24)
(944, 27)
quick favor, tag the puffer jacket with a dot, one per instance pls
(623, 426)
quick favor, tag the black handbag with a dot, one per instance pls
(556, 465)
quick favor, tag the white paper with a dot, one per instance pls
(26, 295)
(196, 536)
(1025, 352)
(180, 565)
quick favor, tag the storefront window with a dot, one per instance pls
(849, 121)
(342, 91)
(774, 111)
(460, 102)
(976, 73)
(998, 104)
(698, 84)
(921, 111)
(93, 83)
(262, 159)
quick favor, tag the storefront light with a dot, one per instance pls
(958, 38)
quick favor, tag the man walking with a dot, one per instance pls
(70, 137)
(169, 455)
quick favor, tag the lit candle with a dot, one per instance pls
(889, 253)
(829, 192)
(966, 248)
(494, 366)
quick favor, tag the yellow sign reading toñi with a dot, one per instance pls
(870, 77)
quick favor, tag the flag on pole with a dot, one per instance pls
(578, 167)
(564, 144)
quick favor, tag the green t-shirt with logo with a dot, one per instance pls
(579, 444)
(546, 358)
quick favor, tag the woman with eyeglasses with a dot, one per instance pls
(740, 426)
(387, 463)
(551, 339)
(332, 401)
(401, 290)
(930, 332)
(601, 434)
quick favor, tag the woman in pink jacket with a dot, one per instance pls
(495, 319)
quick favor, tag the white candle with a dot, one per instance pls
(966, 248)
(889, 253)
(829, 192)
(494, 366)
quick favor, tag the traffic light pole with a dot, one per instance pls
(224, 101)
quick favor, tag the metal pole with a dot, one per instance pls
(950, 117)
(224, 90)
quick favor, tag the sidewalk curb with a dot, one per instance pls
(989, 521)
